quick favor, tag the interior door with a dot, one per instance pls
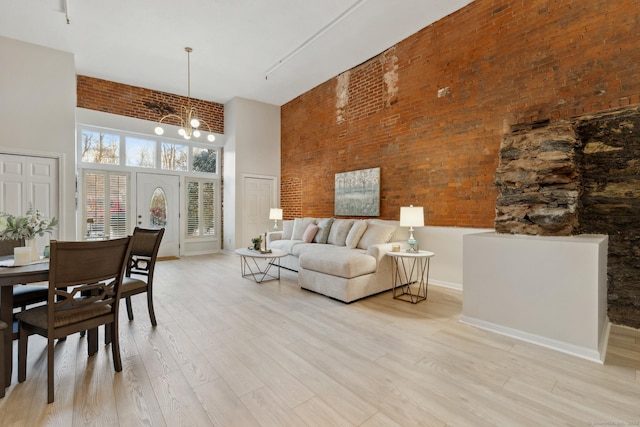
(29, 181)
(259, 197)
(158, 206)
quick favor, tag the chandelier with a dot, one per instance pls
(190, 125)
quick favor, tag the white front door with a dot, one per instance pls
(158, 206)
(259, 197)
(27, 181)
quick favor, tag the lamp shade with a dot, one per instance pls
(411, 216)
(275, 213)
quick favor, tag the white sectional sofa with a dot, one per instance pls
(340, 258)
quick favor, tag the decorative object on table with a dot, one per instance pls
(275, 214)
(33, 223)
(357, 193)
(190, 124)
(411, 216)
(257, 241)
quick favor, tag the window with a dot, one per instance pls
(99, 147)
(106, 208)
(174, 156)
(200, 208)
(204, 160)
(140, 152)
(158, 209)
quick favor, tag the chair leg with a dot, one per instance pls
(23, 341)
(115, 347)
(92, 341)
(107, 334)
(2, 362)
(129, 308)
(50, 342)
(152, 313)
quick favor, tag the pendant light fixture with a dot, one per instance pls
(190, 124)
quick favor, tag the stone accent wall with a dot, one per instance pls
(610, 202)
(538, 181)
(579, 177)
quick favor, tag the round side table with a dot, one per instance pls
(410, 275)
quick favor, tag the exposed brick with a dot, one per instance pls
(505, 63)
(125, 100)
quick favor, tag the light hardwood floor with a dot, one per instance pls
(230, 352)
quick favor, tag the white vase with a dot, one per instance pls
(31, 243)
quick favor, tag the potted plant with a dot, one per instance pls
(256, 243)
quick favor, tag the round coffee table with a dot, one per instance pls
(256, 265)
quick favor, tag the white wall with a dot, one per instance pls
(445, 267)
(37, 114)
(252, 131)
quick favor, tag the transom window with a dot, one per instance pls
(108, 147)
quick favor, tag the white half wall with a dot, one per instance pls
(550, 291)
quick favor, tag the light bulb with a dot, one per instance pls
(196, 133)
(211, 137)
(187, 137)
(159, 130)
(181, 132)
(195, 122)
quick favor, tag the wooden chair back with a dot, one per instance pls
(85, 276)
(144, 253)
(7, 246)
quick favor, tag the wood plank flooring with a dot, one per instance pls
(230, 352)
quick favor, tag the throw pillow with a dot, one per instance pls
(310, 233)
(356, 232)
(299, 226)
(376, 234)
(324, 226)
(339, 230)
(287, 229)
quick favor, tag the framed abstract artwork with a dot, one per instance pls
(357, 193)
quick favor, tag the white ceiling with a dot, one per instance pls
(235, 42)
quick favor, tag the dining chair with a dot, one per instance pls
(139, 276)
(3, 327)
(84, 290)
(23, 295)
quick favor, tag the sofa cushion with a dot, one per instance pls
(339, 231)
(303, 248)
(401, 233)
(376, 234)
(310, 233)
(341, 262)
(299, 226)
(324, 226)
(357, 230)
(287, 229)
(285, 245)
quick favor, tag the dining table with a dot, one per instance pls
(10, 277)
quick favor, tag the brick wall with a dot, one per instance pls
(432, 110)
(137, 102)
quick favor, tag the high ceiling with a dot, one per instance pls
(236, 43)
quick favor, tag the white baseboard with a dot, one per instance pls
(444, 284)
(582, 352)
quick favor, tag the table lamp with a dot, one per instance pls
(275, 214)
(411, 217)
